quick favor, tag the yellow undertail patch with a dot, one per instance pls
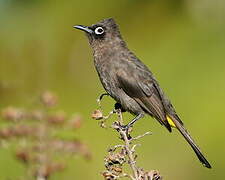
(170, 121)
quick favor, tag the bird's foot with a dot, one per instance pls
(124, 127)
(127, 130)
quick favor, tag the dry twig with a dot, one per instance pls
(122, 154)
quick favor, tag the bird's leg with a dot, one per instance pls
(130, 124)
(126, 127)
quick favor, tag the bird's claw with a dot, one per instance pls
(123, 127)
(126, 129)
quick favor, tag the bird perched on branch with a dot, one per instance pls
(127, 80)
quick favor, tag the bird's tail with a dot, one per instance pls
(189, 139)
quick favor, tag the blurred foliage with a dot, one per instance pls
(183, 43)
(34, 136)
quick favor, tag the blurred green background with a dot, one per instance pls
(182, 41)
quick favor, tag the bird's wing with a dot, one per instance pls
(140, 86)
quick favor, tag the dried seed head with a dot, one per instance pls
(49, 99)
(24, 130)
(152, 175)
(57, 118)
(37, 115)
(23, 156)
(47, 170)
(76, 121)
(114, 160)
(71, 147)
(118, 170)
(109, 175)
(12, 114)
(97, 115)
(5, 133)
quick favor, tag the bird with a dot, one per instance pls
(130, 82)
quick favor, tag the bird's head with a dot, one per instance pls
(103, 33)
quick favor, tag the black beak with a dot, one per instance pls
(84, 28)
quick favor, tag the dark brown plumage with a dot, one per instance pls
(127, 80)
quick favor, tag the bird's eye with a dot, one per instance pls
(99, 30)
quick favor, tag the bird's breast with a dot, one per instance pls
(106, 70)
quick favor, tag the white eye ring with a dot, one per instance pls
(99, 30)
